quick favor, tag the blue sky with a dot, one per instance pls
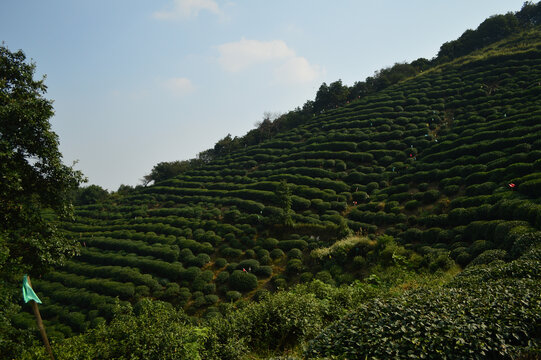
(138, 82)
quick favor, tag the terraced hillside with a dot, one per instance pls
(447, 163)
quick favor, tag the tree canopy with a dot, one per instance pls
(91, 194)
(33, 177)
(34, 183)
(165, 170)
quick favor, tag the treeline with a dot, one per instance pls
(491, 30)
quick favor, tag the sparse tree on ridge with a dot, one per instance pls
(166, 170)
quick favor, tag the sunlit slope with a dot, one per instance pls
(448, 163)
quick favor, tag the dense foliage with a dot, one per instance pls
(34, 185)
(497, 318)
(33, 177)
(151, 330)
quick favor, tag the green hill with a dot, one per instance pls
(436, 172)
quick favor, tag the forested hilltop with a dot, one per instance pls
(397, 218)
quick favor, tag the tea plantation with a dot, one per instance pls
(337, 238)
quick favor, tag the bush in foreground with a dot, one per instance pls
(499, 317)
(152, 330)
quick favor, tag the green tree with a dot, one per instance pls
(283, 197)
(35, 186)
(91, 194)
(166, 170)
(124, 189)
(330, 96)
(489, 31)
(33, 176)
(530, 14)
(226, 145)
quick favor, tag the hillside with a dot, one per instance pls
(436, 172)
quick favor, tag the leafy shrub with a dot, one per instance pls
(202, 259)
(430, 196)
(199, 301)
(279, 282)
(231, 252)
(211, 299)
(233, 295)
(290, 244)
(459, 216)
(152, 330)
(531, 187)
(265, 260)
(441, 262)
(482, 321)
(261, 294)
(281, 320)
(463, 258)
(525, 242)
(273, 215)
(250, 254)
(262, 253)
(294, 254)
(340, 249)
(277, 254)
(480, 246)
(488, 256)
(359, 261)
(450, 190)
(242, 281)
(294, 267)
(268, 243)
(360, 196)
(209, 288)
(263, 271)
(320, 205)
(198, 284)
(248, 265)
(220, 263)
(222, 277)
(325, 277)
(371, 186)
(481, 189)
(411, 205)
(231, 267)
(299, 204)
(306, 277)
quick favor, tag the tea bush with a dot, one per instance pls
(488, 256)
(242, 281)
(128, 333)
(486, 321)
(282, 320)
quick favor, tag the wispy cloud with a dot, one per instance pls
(289, 68)
(236, 56)
(179, 86)
(182, 9)
(297, 70)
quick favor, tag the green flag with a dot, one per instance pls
(28, 292)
